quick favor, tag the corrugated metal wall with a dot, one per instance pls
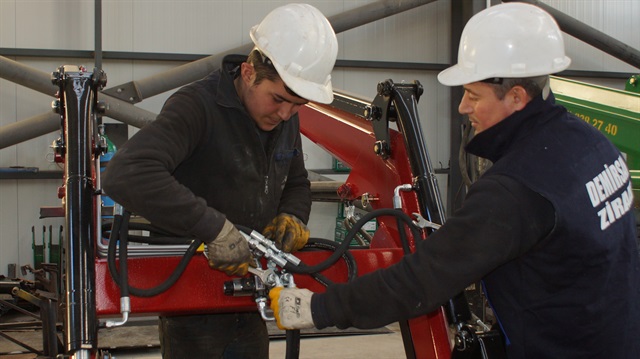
(206, 27)
(616, 18)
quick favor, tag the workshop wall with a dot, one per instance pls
(421, 35)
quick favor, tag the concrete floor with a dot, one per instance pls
(387, 346)
(140, 342)
(375, 346)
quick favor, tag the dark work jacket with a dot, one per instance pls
(576, 293)
(202, 160)
(501, 222)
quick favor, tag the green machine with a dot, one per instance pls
(616, 113)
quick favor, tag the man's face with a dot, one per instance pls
(483, 107)
(269, 103)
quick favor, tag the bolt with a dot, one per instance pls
(372, 112)
(55, 106)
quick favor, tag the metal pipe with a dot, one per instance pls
(195, 70)
(29, 128)
(120, 108)
(589, 35)
(98, 33)
(27, 76)
(372, 12)
(461, 12)
(45, 123)
(126, 112)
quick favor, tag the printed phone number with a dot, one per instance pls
(601, 125)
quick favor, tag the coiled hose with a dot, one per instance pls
(120, 229)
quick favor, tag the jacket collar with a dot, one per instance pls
(227, 95)
(496, 141)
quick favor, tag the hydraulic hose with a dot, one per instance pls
(160, 240)
(402, 217)
(293, 336)
(293, 344)
(119, 228)
(320, 243)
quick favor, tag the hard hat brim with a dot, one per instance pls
(306, 89)
(457, 75)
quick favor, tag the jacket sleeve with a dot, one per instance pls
(499, 220)
(139, 176)
(296, 195)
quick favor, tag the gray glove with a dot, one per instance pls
(229, 251)
(292, 307)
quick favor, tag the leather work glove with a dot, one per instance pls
(288, 232)
(229, 251)
(291, 307)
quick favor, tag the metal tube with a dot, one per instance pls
(591, 36)
(195, 70)
(126, 112)
(98, 33)
(27, 76)
(121, 109)
(29, 128)
(372, 12)
(41, 81)
(45, 123)
(48, 122)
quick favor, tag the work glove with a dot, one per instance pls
(291, 307)
(288, 232)
(229, 251)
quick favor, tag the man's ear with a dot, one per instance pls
(519, 97)
(248, 73)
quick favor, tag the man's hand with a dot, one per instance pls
(229, 251)
(291, 307)
(288, 232)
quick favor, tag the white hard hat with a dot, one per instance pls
(513, 40)
(301, 44)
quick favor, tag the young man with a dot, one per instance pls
(548, 228)
(227, 150)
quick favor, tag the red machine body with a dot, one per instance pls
(349, 138)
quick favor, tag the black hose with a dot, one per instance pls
(354, 230)
(159, 240)
(321, 243)
(118, 229)
(403, 237)
(293, 336)
(293, 344)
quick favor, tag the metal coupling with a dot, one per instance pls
(397, 200)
